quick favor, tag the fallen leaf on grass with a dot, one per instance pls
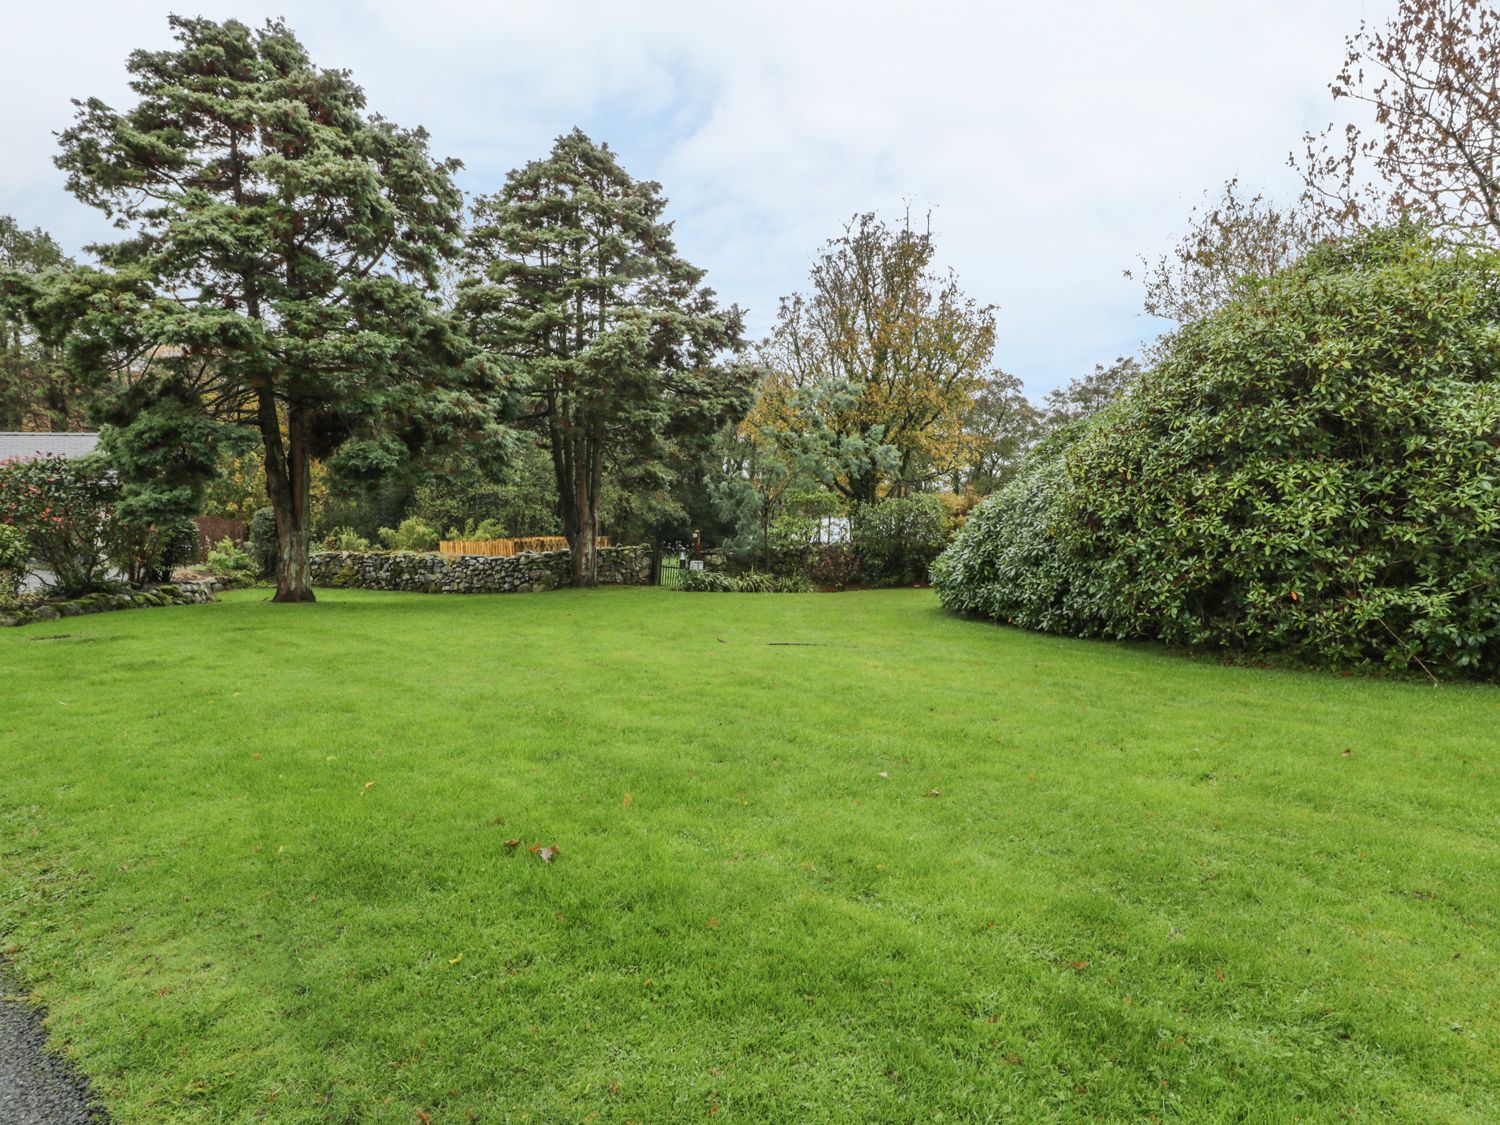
(365, 788)
(424, 1118)
(1078, 966)
(713, 923)
(628, 800)
(455, 960)
(934, 792)
(545, 854)
(513, 843)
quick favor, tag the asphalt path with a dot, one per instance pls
(36, 1087)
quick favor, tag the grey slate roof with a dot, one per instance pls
(27, 446)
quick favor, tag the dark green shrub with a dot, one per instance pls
(262, 542)
(833, 565)
(1310, 471)
(898, 537)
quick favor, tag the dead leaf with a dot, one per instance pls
(545, 854)
(1013, 1059)
(455, 960)
(424, 1118)
(513, 843)
(614, 1086)
(628, 800)
(1078, 966)
(934, 792)
(366, 788)
(713, 923)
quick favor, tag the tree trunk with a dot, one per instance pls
(585, 529)
(288, 484)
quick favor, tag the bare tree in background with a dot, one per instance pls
(1431, 76)
(1088, 394)
(1226, 242)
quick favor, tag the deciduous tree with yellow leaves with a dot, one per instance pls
(875, 370)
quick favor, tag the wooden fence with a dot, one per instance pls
(211, 529)
(508, 547)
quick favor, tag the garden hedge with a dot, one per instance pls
(1311, 471)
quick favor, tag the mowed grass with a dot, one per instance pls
(823, 858)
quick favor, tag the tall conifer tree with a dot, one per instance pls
(575, 280)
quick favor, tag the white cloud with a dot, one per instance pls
(1053, 144)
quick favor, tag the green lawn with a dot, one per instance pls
(910, 868)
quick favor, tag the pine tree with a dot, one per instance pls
(279, 273)
(575, 281)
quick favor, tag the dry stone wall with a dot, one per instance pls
(423, 573)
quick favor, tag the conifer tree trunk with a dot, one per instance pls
(288, 484)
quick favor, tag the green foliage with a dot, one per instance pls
(833, 566)
(521, 501)
(576, 279)
(752, 582)
(65, 509)
(412, 535)
(262, 542)
(898, 537)
(36, 389)
(149, 552)
(280, 269)
(1309, 471)
(226, 560)
(15, 558)
(345, 539)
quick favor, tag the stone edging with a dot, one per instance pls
(193, 592)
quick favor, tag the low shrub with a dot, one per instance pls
(412, 535)
(345, 539)
(752, 582)
(225, 560)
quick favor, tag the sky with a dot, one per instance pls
(1053, 145)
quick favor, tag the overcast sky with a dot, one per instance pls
(1052, 147)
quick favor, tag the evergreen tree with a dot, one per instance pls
(575, 281)
(35, 389)
(284, 248)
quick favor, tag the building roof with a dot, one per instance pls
(30, 446)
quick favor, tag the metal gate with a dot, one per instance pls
(670, 563)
